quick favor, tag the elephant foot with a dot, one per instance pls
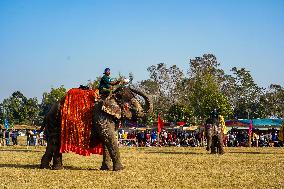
(105, 167)
(118, 167)
(45, 166)
(45, 162)
(207, 148)
(57, 167)
(213, 151)
(57, 162)
(221, 152)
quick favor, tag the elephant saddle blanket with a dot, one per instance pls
(77, 122)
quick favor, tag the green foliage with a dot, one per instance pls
(20, 110)
(49, 98)
(179, 113)
(149, 87)
(204, 91)
(175, 97)
(247, 94)
(163, 86)
(205, 96)
(273, 101)
(94, 84)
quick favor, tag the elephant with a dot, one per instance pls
(106, 112)
(214, 136)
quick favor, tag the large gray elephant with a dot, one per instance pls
(106, 112)
(214, 136)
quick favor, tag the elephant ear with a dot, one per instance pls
(111, 107)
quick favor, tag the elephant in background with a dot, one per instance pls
(214, 136)
(106, 113)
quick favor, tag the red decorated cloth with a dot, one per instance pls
(77, 121)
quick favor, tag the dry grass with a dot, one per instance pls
(170, 167)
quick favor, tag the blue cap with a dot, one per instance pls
(107, 70)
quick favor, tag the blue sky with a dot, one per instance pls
(50, 43)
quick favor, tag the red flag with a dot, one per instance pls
(181, 123)
(119, 124)
(160, 123)
(250, 126)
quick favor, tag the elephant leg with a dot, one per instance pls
(57, 156)
(57, 161)
(109, 140)
(47, 157)
(208, 138)
(209, 142)
(213, 145)
(220, 144)
(112, 147)
(106, 159)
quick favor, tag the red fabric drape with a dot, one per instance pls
(77, 121)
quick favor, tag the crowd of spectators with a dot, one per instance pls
(148, 138)
(10, 137)
(259, 138)
(234, 138)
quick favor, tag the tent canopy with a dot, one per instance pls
(257, 123)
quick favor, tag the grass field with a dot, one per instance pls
(165, 167)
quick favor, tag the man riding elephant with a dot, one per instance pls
(84, 123)
(106, 84)
(214, 133)
(214, 116)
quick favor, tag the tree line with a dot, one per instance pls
(177, 96)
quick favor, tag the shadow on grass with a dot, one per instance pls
(245, 152)
(202, 153)
(19, 166)
(168, 152)
(80, 168)
(20, 150)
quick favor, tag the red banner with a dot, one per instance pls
(250, 126)
(160, 123)
(181, 123)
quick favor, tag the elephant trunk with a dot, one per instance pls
(149, 105)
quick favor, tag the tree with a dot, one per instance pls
(247, 94)
(273, 101)
(20, 110)
(204, 88)
(49, 98)
(178, 113)
(32, 111)
(149, 87)
(164, 84)
(94, 84)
